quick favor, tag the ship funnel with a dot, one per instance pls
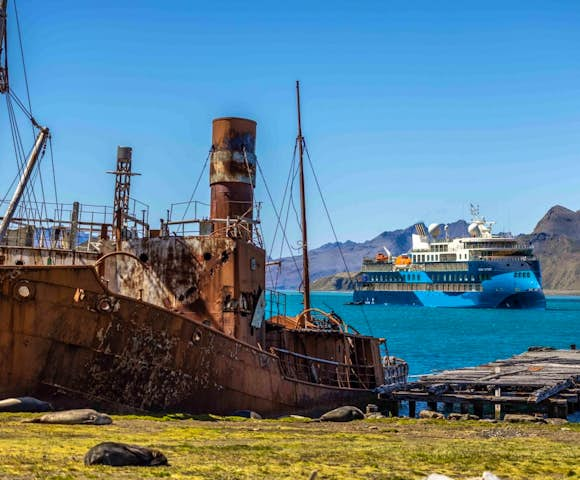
(233, 173)
(474, 229)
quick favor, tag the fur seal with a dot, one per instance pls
(120, 455)
(84, 416)
(343, 414)
(24, 404)
(247, 414)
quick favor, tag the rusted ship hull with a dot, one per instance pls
(132, 318)
(62, 331)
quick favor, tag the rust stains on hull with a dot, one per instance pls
(168, 322)
(60, 328)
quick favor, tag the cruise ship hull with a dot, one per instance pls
(489, 285)
(519, 300)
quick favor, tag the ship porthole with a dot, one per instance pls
(24, 290)
(196, 337)
(105, 305)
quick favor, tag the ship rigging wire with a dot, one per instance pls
(30, 208)
(197, 184)
(333, 229)
(279, 222)
(22, 56)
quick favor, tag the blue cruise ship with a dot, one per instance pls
(479, 271)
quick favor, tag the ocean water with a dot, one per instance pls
(433, 339)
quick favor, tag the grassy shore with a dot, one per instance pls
(284, 449)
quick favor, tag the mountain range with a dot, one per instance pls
(556, 241)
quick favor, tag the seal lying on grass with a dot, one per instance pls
(342, 414)
(120, 455)
(24, 404)
(84, 416)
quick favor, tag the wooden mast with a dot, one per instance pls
(306, 274)
(4, 65)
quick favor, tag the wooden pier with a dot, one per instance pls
(541, 380)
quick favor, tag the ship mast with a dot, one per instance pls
(4, 66)
(41, 138)
(300, 141)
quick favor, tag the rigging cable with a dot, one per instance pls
(333, 230)
(297, 215)
(197, 184)
(22, 55)
(287, 190)
(29, 193)
(53, 173)
(276, 212)
(29, 113)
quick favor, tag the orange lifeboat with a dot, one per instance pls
(403, 261)
(381, 257)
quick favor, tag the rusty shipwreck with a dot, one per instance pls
(97, 308)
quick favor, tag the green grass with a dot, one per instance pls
(217, 448)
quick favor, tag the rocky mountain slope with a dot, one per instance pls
(556, 240)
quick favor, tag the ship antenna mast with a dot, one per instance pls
(300, 141)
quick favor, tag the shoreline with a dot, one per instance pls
(562, 293)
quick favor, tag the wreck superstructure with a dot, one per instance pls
(111, 312)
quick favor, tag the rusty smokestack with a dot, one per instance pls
(232, 169)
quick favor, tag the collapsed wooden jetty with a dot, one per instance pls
(541, 380)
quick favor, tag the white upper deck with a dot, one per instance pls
(434, 246)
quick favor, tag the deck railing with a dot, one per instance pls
(75, 226)
(325, 372)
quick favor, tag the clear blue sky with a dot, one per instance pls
(411, 109)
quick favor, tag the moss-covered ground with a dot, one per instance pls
(214, 448)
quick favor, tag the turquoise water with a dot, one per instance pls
(432, 339)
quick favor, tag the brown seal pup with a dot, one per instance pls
(83, 416)
(120, 455)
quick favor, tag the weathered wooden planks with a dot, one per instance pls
(534, 378)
